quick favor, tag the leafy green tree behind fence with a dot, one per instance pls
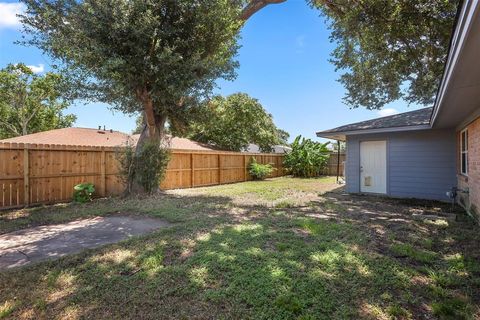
(232, 123)
(31, 103)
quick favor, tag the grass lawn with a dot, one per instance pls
(279, 249)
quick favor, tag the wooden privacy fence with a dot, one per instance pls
(188, 168)
(331, 168)
(36, 174)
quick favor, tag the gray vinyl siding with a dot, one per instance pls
(352, 165)
(420, 164)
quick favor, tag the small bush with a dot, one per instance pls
(83, 192)
(151, 163)
(259, 171)
(146, 167)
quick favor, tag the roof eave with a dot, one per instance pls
(337, 134)
(461, 29)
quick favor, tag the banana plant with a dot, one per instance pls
(307, 158)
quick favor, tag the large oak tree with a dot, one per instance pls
(151, 56)
(158, 57)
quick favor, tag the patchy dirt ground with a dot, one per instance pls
(280, 249)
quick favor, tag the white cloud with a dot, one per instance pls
(37, 69)
(387, 112)
(8, 14)
(299, 43)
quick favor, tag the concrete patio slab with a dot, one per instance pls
(41, 243)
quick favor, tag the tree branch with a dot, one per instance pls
(34, 112)
(256, 5)
(11, 127)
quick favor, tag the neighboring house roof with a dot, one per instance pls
(74, 136)
(253, 148)
(182, 144)
(418, 119)
(97, 138)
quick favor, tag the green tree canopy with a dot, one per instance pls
(30, 103)
(153, 56)
(158, 57)
(389, 50)
(232, 123)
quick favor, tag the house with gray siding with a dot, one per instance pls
(430, 153)
(399, 156)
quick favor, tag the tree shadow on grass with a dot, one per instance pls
(441, 251)
(264, 270)
(329, 259)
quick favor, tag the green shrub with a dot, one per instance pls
(307, 158)
(83, 192)
(146, 167)
(259, 171)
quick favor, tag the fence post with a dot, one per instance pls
(277, 166)
(26, 175)
(192, 171)
(219, 169)
(280, 165)
(244, 168)
(103, 175)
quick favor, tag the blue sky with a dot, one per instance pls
(283, 63)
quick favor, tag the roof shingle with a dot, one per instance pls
(412, 118)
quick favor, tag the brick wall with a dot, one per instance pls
(471, 200)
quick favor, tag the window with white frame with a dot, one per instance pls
(464, 152)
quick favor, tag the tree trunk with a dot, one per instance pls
(153, 130)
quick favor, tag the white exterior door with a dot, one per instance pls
(373, 166)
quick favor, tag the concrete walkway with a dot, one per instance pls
(22, 247)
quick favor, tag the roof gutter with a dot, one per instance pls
(461, 29)
(324, 134)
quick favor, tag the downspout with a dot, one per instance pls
(338, 160)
